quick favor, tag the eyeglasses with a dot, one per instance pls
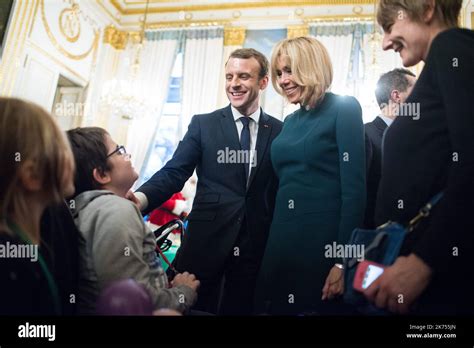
(120, 149)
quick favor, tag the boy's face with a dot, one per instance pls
(122, 174)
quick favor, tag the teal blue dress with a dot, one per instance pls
(319, 158)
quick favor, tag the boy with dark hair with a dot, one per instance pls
(114, 242)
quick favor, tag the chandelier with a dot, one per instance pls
(125, 97)
(375, 44)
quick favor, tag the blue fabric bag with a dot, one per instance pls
(382, 246)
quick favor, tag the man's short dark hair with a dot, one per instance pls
(90, 152)
(247, 53)
(394, 79)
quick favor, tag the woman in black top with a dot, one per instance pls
(428, 149)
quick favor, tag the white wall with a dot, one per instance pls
(43, 52)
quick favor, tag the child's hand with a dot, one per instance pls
(186, 279)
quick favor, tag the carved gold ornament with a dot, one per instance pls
(234, 36)
(56, 43)
(70, 24)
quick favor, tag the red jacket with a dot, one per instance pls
(164, 213)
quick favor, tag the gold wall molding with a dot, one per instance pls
(70, 24)
(338, 18)
(228, 22)
(182, 24)
(234, 36)
(59, 47)
(116, 38)
(297, 31)
(11, 59)
(10, 46)
(106, 10)
(235, 5)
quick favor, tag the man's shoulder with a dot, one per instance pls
(274, 119)
(453, 37)
(275, 122)
(212, 115)
(450, 44)
(371, 124)
(374, 129)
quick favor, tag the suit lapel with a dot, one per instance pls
(380, 124)
(263, 135)
(229, 129)
(231, 136)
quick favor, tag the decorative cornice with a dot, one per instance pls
(297, 31)
(234, 5)
(234, 36)
(116, 38)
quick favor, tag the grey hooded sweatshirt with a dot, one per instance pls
(116, 244)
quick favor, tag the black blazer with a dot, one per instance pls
(24, 287)
(434, 152)
(223, 199)
(373, 152)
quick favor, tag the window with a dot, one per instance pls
(166, 138)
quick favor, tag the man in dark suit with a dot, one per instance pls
(392, 89)
(233, 207)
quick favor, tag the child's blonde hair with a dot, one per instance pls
(28, 132)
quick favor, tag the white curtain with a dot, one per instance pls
(107, 62)
(152, 82)
(201, 74)
(357, 61)
(337, 38)
(376, 62)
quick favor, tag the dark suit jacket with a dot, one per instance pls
(223, 199)
(373, 151)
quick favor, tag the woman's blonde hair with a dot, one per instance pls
(29, 133)
(310, 66)
(446, 11)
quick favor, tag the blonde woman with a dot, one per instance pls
(37, 170)
(320, 162)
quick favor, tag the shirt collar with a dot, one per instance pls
(386, 119)
(255, 116)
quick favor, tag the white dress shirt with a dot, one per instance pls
(387, 120)
(253, 126)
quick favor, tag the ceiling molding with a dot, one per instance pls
(234, 5)
(305, 20)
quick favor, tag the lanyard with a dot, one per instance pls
(49, 277)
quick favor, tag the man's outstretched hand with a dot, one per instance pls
(131, 197)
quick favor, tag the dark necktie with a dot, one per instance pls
(245, 142)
